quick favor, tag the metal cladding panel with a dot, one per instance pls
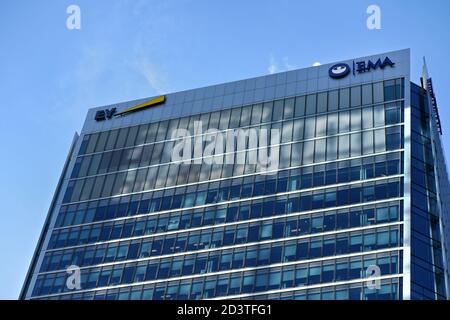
(249, 91)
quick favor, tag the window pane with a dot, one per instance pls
(321, 126)
(215, 118)
(129, 181)
(356, 96)
(378, 114)
(378, 95)
(162, 174)
(320, 150)
(184, 122)
(162, 130)
(322, 102)
(97, 187)
(367, 118)
(92, 142)
(356, 119)
(298, 129)
(311, 104)
(392, 114)
(287, 131)
(285, 156)
(84, 144)
(296, 154)
(344, 98)
(236, 116)
(151, 176)
(332, 125)
(310, 124)
(333, 100)
(289, 105)
(83, 171)
(224, 119)
(368, 142)
(87, 189)
(111, 139)
(299, 106)
(131, 138)
(108, 185)
(389, 90)
(277, 110)
(121, 139)
(256, 113)
(367, 94)
(332, 148)
(204, 119)
(245, 116)
(344, 121)
(343, 146)
(355, 144)
(380, 140)
(101, 143)
(118, 183)
(152, 131)
(308, 152)
(142, 134)
(140, 180)
(267, 112)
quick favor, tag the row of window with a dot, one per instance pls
(244, 257)
(320, 199)
(247, 115)
(235, 189)
(389, 290)
(242, 282)
(216, 237)
(297, 130)
(178, 174)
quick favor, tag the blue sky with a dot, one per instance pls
(130, 49)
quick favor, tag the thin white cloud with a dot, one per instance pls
(98, 75)
(156, 79)
(287, 65)
(273, 66)
(146, 55)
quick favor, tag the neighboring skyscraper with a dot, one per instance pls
(336, 189)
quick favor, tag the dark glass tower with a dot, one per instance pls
(320, 183)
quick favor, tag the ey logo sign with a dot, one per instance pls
(106, 114)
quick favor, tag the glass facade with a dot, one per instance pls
(140, 225)
(428, 275)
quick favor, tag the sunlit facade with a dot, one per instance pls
(355, 208)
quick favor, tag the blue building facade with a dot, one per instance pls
(352, 205)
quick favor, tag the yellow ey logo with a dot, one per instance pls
(109, 113)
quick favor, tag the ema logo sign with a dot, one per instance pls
(341, 70)
(109, 113)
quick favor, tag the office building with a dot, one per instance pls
(326, 182)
